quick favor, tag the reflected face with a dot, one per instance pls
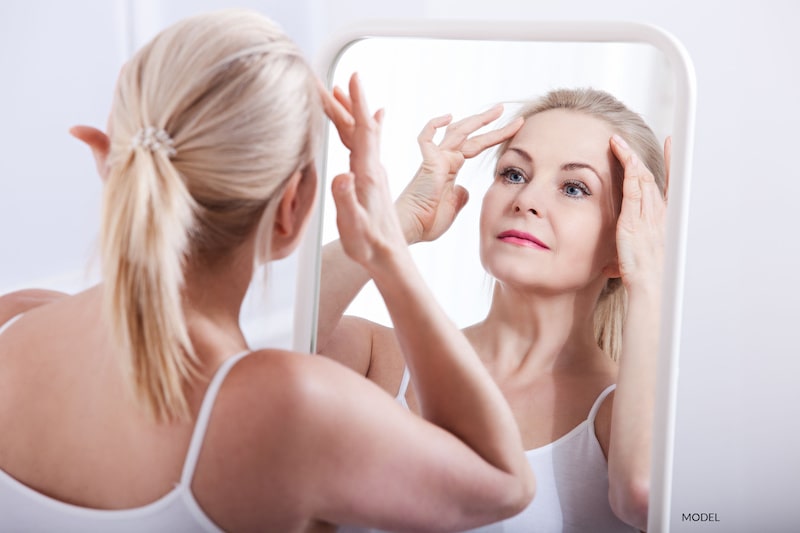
(548, 220)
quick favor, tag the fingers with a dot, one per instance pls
(458, 132)
(630, 161)
(457, 137)
(425, 138)
(343, 99)
(360, 109)
(632, 178)
(462, 197)
(378, 117)
(479, 143)
(639, 189)
(338, 113)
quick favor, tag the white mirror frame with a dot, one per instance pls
(309, 263)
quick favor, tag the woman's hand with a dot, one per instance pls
(368, 226)
(641, 223)
(431, 201)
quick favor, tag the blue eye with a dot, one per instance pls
(512, 175)
(575, 189)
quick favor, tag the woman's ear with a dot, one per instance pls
(293, 211)
(612, 271)
(98, 142)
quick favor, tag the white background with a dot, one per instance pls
(738, 429)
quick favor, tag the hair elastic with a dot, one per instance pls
(154, 139)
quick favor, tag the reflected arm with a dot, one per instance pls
(18, 302)
(630, 445)
(640, 254)
(341, 280)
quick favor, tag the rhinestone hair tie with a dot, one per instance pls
(154, 139)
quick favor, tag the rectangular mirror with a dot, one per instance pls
(419, 70)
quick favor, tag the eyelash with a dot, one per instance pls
(578, 185)
(507, 172)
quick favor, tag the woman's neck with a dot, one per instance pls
(536, 332)
(213, 294)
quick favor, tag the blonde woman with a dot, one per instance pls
(571, 230)
(138, 406)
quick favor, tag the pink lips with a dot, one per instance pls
(522, 239)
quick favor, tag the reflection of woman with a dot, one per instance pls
(571, 230)
(137, 405)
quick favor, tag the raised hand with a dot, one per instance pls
(339, 108)
(640, 227)
(368, 226)
(431, 201)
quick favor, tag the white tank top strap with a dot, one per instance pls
(9, 322)
(199, 433)
(401, 392)
(599, 401)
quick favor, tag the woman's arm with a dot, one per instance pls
(640, 245)
(18, 302)
(455, 391)
(426, 208)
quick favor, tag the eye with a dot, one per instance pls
(512, 175)
(575, 189)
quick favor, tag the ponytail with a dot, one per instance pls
(609, 315)
(147, 217)
(236, 111)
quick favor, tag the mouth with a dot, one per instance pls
(520, 238)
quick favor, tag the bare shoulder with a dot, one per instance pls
(276, 415)
(22, 301)
(278, 392)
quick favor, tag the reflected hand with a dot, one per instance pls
(640, 227)
(368, 226)
(430, 203)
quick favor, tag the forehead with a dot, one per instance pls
(565, 135)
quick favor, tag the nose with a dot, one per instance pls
(531, 210)
(528, 200)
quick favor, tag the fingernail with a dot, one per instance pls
(620, 141)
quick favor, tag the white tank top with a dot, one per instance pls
(24, 509)
(571, 485)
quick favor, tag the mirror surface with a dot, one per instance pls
(416, 79)
(433, 71)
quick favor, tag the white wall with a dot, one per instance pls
(738, 433)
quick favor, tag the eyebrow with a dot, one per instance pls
(578, 166)
(567, 166)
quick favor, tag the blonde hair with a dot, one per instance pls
(611, 305)
(240, 106)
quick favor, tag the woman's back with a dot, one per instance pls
(76, 445)
(72, 430)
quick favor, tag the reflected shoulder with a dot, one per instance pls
(22, 301)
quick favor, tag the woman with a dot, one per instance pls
(571, 229)
(137, 405)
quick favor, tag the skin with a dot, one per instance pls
(76, 436)
(537, 340)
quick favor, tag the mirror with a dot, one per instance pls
(417, 71)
